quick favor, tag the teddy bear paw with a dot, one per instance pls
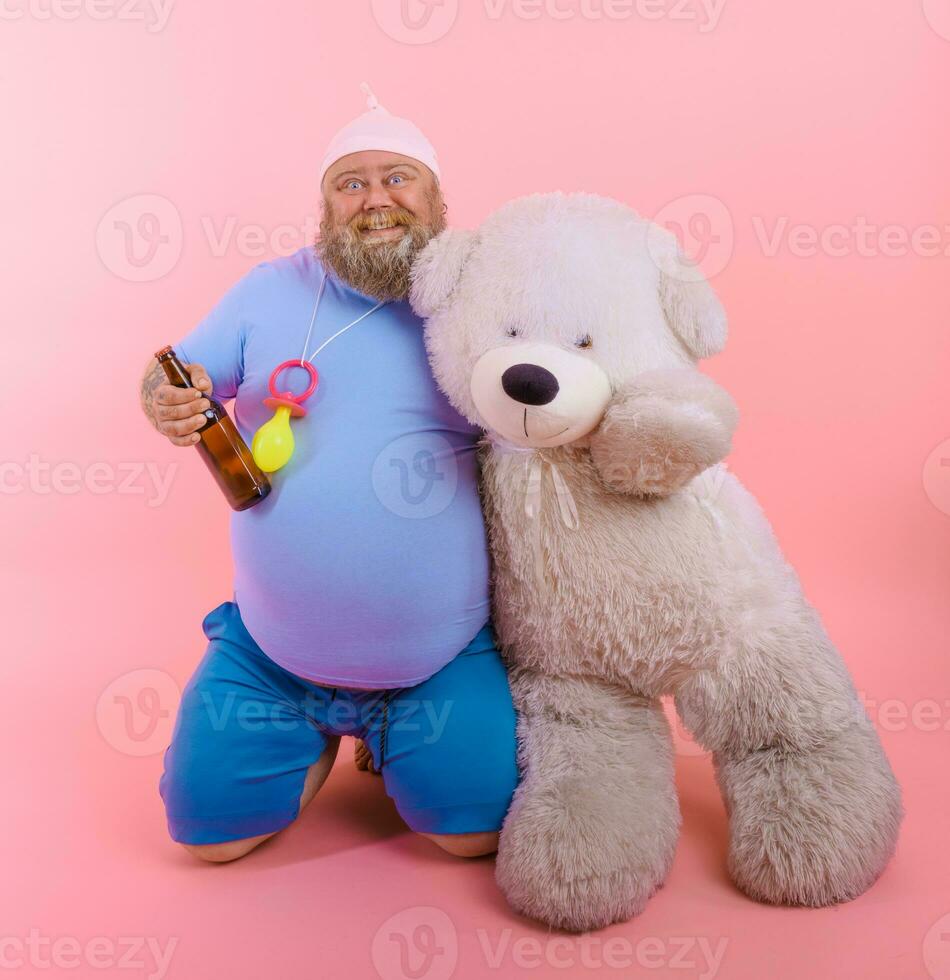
(569, 858)
(575, 904)
(824, 843)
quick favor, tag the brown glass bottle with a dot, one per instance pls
(221, 447)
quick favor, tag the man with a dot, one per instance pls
(360, 600)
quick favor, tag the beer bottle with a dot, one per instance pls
(221, 447)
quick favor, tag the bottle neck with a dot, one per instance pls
(173, 368)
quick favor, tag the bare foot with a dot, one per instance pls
(364, 758)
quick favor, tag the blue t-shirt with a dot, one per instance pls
(367, 565)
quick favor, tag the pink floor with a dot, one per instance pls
(87, 855)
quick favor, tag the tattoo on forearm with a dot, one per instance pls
(154, 377)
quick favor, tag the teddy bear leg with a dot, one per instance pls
(593, 824)
(814, 807)
(814, 826)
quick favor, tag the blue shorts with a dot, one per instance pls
(247, 731)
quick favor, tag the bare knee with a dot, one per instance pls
(467, 845)
(227, 850)
(233, 849)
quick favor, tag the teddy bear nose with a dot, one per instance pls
(530, 384)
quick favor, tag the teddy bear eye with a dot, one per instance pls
(585, 342)
(512, 332)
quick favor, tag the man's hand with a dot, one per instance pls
(176, 412)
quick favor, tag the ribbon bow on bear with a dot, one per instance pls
(535, 464)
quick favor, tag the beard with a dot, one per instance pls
(378, 268)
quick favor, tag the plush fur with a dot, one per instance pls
(672, 584)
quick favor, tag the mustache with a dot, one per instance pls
(376, 220)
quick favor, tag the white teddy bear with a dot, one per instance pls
(569, 329)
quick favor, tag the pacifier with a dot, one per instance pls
(273, 443)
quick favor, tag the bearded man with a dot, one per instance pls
(360, 603)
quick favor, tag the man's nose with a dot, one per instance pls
(378, 199)
(530, 384)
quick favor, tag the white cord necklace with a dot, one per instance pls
(273, 443)
(316, 306)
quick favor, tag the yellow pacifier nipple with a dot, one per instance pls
(273, 443)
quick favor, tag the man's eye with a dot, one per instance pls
(352, 185)
(585, 342)
(396, 178)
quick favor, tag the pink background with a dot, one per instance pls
(809, 114)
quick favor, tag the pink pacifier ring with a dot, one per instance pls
(288, 399)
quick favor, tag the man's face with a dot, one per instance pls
(379, 210)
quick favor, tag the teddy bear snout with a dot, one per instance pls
(539, 394)
(530, 384)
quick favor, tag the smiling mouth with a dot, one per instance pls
(524, 425)
(383, 232)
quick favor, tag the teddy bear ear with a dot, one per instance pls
(691, 308)
(437, 270)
